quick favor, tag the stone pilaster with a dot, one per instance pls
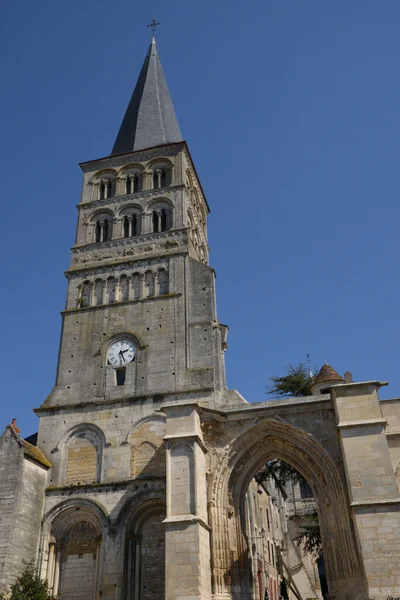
(187, 535)
(373, 492)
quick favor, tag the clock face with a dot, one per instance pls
(121, 352)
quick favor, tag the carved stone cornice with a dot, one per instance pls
(124, 198)
(126, 159)
(133, 248)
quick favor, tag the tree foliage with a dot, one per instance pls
(279, 472)
(296, 382)
(28, 586)
(310, 537)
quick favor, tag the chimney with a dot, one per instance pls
(14, 426)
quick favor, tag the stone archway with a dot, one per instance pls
(72, 542)
(144, 557)
(244, 455)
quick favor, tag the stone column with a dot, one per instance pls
(373, 492)
(187, 535)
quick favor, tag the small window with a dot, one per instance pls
(128, 185)
(268, 523)
(120, 375)
(305, 489)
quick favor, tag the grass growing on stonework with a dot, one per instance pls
(28, 586)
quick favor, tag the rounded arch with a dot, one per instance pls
(143, 531)
(160, 202)
(101, 213)
(128, 209)
(161, 161)
(259, 444)
(56, 519)
(75, 430)
(81, 454)
(73, 530)
(123, 334)
(104, 174)
(131, 168)
(144, 420)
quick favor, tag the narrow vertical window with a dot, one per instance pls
(163, 220)
(134, 225)
(120, 375)
(136, 184)
(163, 178)
(155, 180)
(126, 226)
(155, 221)
(98, 232)
(105, 230)
(102, 190)
(128, 185)
(109, 189)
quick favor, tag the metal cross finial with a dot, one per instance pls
(153, 25)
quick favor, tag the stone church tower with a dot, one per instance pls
(139, 331)
(135, 487)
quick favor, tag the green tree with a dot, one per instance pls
(310, 537)
(28, 586)
(297, 381)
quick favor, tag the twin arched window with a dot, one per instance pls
(133, 183)
(130, 226)
(102, 230)
(106, 189)
(160, 178)
(161, 218)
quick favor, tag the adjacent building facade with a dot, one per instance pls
(137, 486)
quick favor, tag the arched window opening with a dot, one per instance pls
(145, 548)
(82, 460)
(126, 226)
(102, 190)
(163, 178)
(155, 222)
(128, 189)
(73, 554)
(137, 184)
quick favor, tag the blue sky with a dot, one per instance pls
(291, 112)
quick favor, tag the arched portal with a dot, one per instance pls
(144, 564)
(260, 443)
(73, 534)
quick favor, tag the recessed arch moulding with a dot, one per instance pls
(338, 442)
(265, 439)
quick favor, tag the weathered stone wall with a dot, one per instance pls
(153, 559)
(78, 577)
(21, 507)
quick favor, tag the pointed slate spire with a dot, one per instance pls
(150, 118)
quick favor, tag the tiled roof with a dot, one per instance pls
(150, 118)
(327, 373)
